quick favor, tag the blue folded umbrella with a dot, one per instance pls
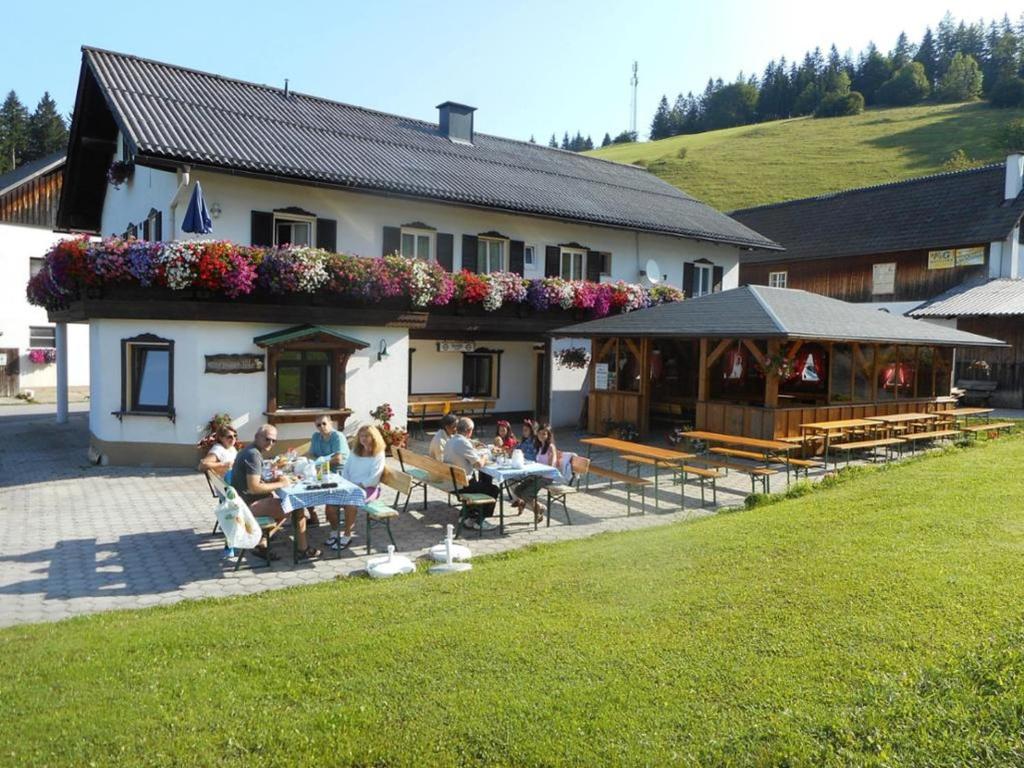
(197, 218)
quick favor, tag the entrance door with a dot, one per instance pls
(8, 372)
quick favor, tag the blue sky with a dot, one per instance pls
(529, 67)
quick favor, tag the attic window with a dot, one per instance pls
(290, 229)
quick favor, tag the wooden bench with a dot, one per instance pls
(796, 465)
(703, 475)
(995, 426)
(861, 445)
(656, 463)
(630, 481)
(424, 471)
(800, 464)
(936, 434)
(379, 513)
(760, 475)
(977, 391)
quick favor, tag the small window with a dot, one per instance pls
(573, 264)
(147, 376)
(479, 375)
(35, 265)
(702, 277)
(304, 379)
(42, 336)
(528, 255)
(777, 279)
(417, 244)
(490, 255)
(293, 230)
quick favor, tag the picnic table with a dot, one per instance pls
(967, 413)
(909, 420)
(657, 457)
(295, 498)
(424, 409)
(829, 428)
(741, 447)
(504, 475)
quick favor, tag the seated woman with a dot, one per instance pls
(364, 467)
(222, 453)
(504, 438)
(326, 442)
(528, 444)
(527, 490)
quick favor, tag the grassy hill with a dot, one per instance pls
(788, 159)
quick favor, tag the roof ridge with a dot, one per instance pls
(368, 110)
(756, 293)
(868, 188)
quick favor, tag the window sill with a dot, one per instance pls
(168, 414)
(300, 415)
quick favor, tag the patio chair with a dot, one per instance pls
(213, 492)
(267, 525)
(378, 513)
(558, 493)
(466, 501)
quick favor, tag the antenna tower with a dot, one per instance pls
(632, 101)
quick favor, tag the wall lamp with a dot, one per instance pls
(382, 350)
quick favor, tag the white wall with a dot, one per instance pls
(568, 386)
(17, 245)
(362, 217)
(198, 395)
(441, 372)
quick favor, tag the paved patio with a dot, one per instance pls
(81, 538)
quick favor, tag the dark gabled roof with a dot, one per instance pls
(30, 170)
(299, 332)
(170, 113)
(758, 312)
(986, 298)
(930, 212)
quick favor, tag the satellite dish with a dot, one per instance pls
(652, 272)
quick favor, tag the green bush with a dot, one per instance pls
(840, 105)
(1013, 134)
(908, 86)
(681, 154)
(1008, 92)
(959, 160)
(962, 81)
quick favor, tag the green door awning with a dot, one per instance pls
(306, 332)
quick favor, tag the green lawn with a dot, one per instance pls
(788, 159)
(876, 622)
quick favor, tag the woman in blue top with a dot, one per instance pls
(326, 441)
(529, 445)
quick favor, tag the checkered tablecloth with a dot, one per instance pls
(299, 497)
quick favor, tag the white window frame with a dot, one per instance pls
(483, 265)
(45, 341)
(416, 233)
(529, 255)
(291, 218)
(778, 279)
(702, 272)
(572, 252)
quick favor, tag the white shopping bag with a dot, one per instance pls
(241, 531)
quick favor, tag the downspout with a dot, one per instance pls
(184, 176)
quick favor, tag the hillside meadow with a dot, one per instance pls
(788, 159)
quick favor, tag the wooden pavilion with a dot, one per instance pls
(760, 361)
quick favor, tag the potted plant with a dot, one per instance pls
(42, 355)
(119, 172)
(394, 437)
(210, 432)
(575, 358)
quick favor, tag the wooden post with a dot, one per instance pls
(702, 372)
(771, 379)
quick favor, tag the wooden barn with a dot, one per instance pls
(913, 247)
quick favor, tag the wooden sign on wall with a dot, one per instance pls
(235, 363)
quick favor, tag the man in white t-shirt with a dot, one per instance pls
(461, 452)
(444, 432)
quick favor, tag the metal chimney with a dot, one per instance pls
(456, 121)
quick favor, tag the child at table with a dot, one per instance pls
(364, 467)
(504, 438)
(528, 444)
(528, 489)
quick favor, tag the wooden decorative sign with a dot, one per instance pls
(235, 363)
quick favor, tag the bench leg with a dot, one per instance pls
(714, 492)
(656, 505)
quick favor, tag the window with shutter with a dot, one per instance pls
(392, 241)
(446, 251)
(552, 261)
(469, 253)
(417, 244)
(261, 228)
(516, 256)
(327, 234)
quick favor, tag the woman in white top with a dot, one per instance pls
(222, 453)
(363, 467)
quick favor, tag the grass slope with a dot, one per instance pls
(789, 159)
(877, 622)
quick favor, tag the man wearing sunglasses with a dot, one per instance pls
(247, 479)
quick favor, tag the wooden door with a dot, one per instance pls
(8, 372)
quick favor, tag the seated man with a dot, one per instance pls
(460, 452)
(247, 479)
(441, 437)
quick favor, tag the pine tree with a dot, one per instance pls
(945, 44)
(926, 55)
(565, 141)
(902, 53)
(553, 143)
(661, 125)
(606, 140)
(588, 143)
(47, 131)
(872, 71)
(532, 140)
(14, 132)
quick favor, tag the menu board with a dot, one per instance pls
(970, 257)
(883, 278)
(601, 376)
(944, 259)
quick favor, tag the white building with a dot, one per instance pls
(279, 167)
(28, 207)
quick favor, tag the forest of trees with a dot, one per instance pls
(958, 62)
(26, 136)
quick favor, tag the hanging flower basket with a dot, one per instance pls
(42, 355)
(574, 358)
(119, 172)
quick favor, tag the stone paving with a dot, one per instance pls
(80, 538)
